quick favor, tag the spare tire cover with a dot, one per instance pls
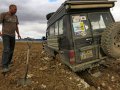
(110, 40)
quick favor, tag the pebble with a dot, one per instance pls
(112, 78)
(43, 68)
(85, 84)
(103, 84)
(70, 78)
(30, 75)
(98, 88)
(43, 86)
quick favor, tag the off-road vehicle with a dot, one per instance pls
(83, 33)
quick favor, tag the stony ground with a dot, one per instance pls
(46, 73)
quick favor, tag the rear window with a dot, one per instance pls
(99, 20)
(83, 24)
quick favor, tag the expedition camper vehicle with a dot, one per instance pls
(83, 33)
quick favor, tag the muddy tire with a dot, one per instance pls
(110, 40)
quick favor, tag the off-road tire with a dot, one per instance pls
(108, 40)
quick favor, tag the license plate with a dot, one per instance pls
(86, 54)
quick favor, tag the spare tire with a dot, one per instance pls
(110, 40)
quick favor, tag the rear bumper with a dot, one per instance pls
(90, 64)
(85, 65)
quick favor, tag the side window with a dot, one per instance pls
(56, 28)
(48, 32)
(52, 30)
(61, 27)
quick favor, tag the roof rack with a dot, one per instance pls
(82, 4)
(89, 1)
(93, 0)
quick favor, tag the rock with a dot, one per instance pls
(46, 58)
(98, 88)
(103, 84)
(29, 75)
(97, 74)
(112, 78)
(43, 86)
(70, 78)
(79, 85)
(43, 68)
(85, 84)
(108, 75)
(78, 79)
(109, 88)
(42, 52)
(59, 64)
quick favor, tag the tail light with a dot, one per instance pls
(72, 56)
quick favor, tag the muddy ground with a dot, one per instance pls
(46, 73)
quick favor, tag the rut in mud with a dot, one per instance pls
(104, 77)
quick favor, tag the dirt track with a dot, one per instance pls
(46, 73)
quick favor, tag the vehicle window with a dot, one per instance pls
(107, 18)
(80, 25)
(56, 28)
(47, 33)
(52, 30)
(99, 20)
(61, 27)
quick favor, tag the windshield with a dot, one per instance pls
(83, 23)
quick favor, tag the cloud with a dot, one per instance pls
(31, 10)
(33, 30)
(115, 11)
(32, 14)
(36, 11)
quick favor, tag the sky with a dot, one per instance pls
(32, 14)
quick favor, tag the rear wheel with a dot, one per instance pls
(110, 40)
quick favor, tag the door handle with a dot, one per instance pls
(89, 40)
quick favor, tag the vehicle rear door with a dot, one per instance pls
(99, 22)
(83, 40)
